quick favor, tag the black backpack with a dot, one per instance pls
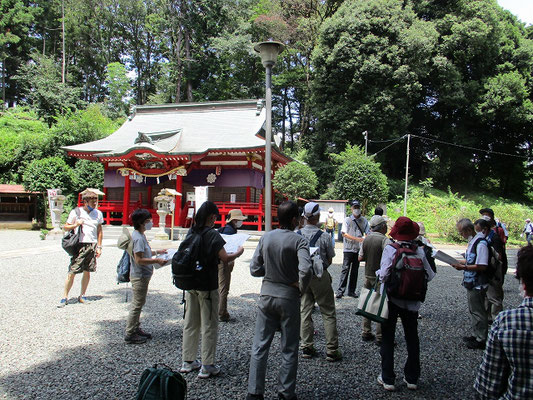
(189, 269)
(161, 384)
(407, 278)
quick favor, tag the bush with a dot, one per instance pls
(359, 177)
(296, 180)
(48, 173)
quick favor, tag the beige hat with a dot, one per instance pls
(331, 209)
(376, 220)
(90, 193)
(236, 214)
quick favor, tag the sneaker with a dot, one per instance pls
(476, 345)
(367, 337)
(354, 295)
(308, 352)
(410, 386)
(252, 396)
(208, 370)
(189, 366)
(386, 386)
(83, 300)
(135, 339)
(140, 332)
(467, 339)
(338, 295)
(335, 356)
(62, 303)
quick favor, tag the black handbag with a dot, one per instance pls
(71, 240)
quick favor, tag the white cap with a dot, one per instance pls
(311, 209)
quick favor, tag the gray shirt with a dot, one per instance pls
(351, 227)
(282, 258)
(140, 245)
(324, 243)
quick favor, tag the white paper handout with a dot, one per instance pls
(312, 250)
(233, 242)
(442, 256)
(166, 256)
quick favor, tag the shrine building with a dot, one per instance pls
(184, 146)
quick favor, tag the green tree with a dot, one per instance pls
(44, 91)
(359, 177)
(295, 180)
(86, 174)
(48, 173)
(118, 86)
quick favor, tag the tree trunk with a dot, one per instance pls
(63, 33)
(188, 63)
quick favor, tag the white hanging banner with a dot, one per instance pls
(52, 193)
(200, 196)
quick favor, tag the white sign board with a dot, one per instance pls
(200, 194)
(52, 193)
(233, 198)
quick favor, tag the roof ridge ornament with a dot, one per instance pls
(143, 138)
(260, 105)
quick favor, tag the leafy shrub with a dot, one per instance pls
(359, 177)
(296, 180)
(48, 173)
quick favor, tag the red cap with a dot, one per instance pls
(404, 229)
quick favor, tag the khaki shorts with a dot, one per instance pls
(85, 260)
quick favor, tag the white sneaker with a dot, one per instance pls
(190, 366)
(208, 370)
(410, 386)
(386, 386)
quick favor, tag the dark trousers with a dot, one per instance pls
(350, 269)
(410, 327)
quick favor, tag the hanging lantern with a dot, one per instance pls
(218, 170)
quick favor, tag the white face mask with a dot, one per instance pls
(238, 224)
(148, 225)
(356, 213)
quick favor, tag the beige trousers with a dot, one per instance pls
(367, 324)
(201, 315)
(321, 292)
(140, 289)
(224, 280)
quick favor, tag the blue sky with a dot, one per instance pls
(523, 9)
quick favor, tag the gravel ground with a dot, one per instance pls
(78, 352)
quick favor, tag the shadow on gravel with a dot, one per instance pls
(110, 369)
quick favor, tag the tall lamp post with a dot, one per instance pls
(269, 53)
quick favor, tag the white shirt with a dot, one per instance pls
(91, 221)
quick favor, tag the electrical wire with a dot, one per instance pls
(386, 147)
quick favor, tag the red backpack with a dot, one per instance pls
(407, 278)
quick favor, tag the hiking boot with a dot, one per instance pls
(226, 318)
(83, 300)
(283, 397)
(62, 303)
(135, 339)
(208, 370)
(354, 295)
(467, 339)
(335, 356)
(140, 332)
(189, 366)
(367, 337)
(338, 295)
(476, 345)
(308, 352)
(252, 396)
(386, 386)
(410, 386)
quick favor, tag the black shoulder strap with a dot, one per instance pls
(315, 238)
(358, 227)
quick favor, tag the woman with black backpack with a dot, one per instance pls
(201, 302)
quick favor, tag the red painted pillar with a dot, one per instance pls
(149, 200)
(177, 209)
(126, 200)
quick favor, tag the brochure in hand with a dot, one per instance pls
(442, 256)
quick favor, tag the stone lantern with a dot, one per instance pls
(163, 209)
(56, 207)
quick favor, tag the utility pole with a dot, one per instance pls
(63, 29)
(406, 177)
(365, 134)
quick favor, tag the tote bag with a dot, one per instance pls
(373, 305)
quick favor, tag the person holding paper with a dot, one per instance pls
(141, 272)
(475, 280)
(235, 220)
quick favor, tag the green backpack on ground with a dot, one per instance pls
(161, 384)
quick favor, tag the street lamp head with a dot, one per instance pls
(269, 52)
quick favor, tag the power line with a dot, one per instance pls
(395, 141)
(471, 148)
